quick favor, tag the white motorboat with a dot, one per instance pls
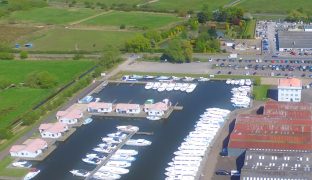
(87, 121)
(122, 164)
(203, 79)
(181, 167)
(184, 87)
(191, 88)
(176, 78)
(117, 157)
(170, 87)
(80, 172)
(114, 140)
(22, 164)
(114, 170)
(184, 163)
(153, 118)
(188, 79)
(197, 148)
(192, 153)
(149, 85)
(138, 142)
(162, 78)
(148, 77)
(156, 85)
(161, 89)
(232, 82)
(106, 176)
(103, 150)
(128, 128)
(177, 86)
(241, 82)
(180, 172)
(186, 158)
(93, 155)
(180, 177)
(129, 152)
(117, 134)
(31, 174)
(94, 161)
(248, 82)
(228, 81)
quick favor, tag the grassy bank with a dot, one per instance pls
(260, 92)
(10, 172)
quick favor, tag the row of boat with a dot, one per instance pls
(240, 96)
(160, 87)
(240, 82)
(186, 162)
(162, 78)
(121, 159)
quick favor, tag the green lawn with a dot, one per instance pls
(51, 15)
(260, 92)
(250, 29)
(13, 172)
(16, 101)
(134, 19)
(71, 40)
(274, 6)
(107, 2)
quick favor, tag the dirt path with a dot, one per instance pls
(233, 3)
(90, 17)
(149, 2)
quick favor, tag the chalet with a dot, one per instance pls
(157, 109)
(69, 116)
(100, 107)
(128, 108)
(31, 148)
(52, 130)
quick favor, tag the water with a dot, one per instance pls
(168, 134)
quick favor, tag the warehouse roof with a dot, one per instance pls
(289, 82)
(294, 39)
(277, 164)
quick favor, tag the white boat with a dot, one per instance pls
(176, 78)
(128, 128)
(170, 87)
(188, 79)
(80, 172)
(113, 140)
(191, 88)
(184, 163)
(93, 155)
(31, 174)
(184, 87)
(162, 78)
(156, 85)
(22, 164)
(232, 82)
(122, 164)
(192, 153)
(117, 134)
(106, 176)
(228, 81)
(248, 82)
(180, 177)
(87, 121)
(117, 157)
(114, 170)
(199, 148)
(94, 161)
(138, 142)
(149, 85)
(241, 82)
(153, 118)
(177, 86)
(129, 152)
(181, 167)
(203, 79)
(148, 77)
(186, 158)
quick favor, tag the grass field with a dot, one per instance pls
(274, 6)
(71, 40)
(260, 92)
(11, 33)
(49, 15)
(108, 2)
(134, 19)
(250, 29)
(15, 101)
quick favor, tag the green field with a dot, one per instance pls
(274, 6)
(107, 2)
(134, 19)
(260, 92)
(16, 101)
(250, 29)
(71, 40)
(187, 4)
(49, 15)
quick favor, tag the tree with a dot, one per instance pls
(138, 44)
(178, 51)
(110, 56)
(202, 17)
(41, 79)
(5, 133)
(23, 54)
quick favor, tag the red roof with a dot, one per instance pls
(53, 127)
(289, 82)
(30, 145)
(283, 126)
(100, 105)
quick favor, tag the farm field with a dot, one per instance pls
(16, 101)
(108, 2)
(134, 19)
(51, 15)
(275, 6)
(11, 33)
(72, 40)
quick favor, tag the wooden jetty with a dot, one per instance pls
(145, 133)
(103, 162)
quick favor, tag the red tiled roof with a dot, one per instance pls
(53, 127)
(157, 106)
(30, 145)
(127, 106)
(99, 105)
(290, 82)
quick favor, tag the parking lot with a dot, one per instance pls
(282, 68)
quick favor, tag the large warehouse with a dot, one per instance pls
(294, 40)
(283, 126)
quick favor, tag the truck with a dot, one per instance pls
(232, 56)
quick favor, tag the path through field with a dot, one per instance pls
(149, 2)
(90, 17)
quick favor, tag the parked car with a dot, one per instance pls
(222, 172)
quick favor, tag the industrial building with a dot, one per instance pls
(289, 89)
(282, 126)
(263, 164)
(294, 40)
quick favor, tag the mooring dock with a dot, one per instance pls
(103, 162)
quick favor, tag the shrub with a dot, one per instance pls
(5, 134)
(6, 56)
(4, 83)
(122, 26)
(42, 80)
(23, 54)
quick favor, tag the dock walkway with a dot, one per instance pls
(120, 145)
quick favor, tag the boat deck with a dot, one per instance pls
(120, 145)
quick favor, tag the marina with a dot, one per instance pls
(153, 131)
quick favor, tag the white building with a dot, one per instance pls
(52, 130)
(128, 108)
(31, 148)
(69, 116)
(100, 107)
(289, 90)
(308, 28)
(157, 109)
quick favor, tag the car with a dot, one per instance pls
(219, 72)
(235, 173)
(229, 72)
(222, 172)
(224, 151)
